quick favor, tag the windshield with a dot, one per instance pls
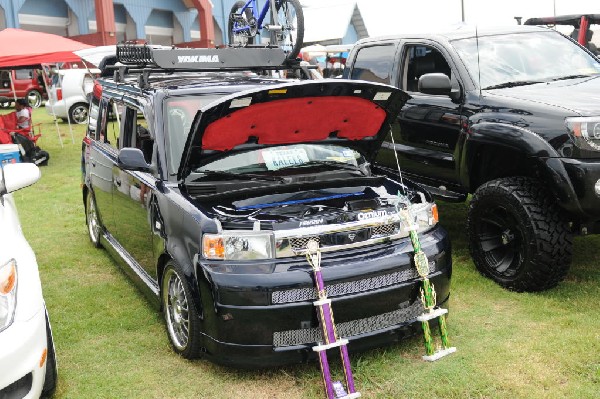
(525, 58)
(278, 158)
(179, 115)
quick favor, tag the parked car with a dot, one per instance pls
(27, 83)
(27, 357)
(206, 187)
(69, 96)
(510, 115)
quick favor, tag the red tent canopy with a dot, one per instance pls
(19, 48)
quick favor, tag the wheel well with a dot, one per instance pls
(84, 192)
(160, 269)
(494, 162)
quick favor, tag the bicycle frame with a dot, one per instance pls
(253, 5)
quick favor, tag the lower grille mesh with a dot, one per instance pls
(350, 328)
(349, 287)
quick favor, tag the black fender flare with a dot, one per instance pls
(531, 145)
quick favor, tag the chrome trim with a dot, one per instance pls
(284, 249)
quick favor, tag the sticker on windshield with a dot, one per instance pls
(277, 159)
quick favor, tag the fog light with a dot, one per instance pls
(597, 188)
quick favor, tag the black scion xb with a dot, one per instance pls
(207, 186)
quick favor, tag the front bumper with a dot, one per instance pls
(583, 175)
(21, 348)
(268, 319)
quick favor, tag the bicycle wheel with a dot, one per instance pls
(241, 26)
(291, 19)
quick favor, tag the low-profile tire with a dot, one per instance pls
(78, 113)
(51, 376)
(34, 98)
(93, 220)
(518, 236)
(181, 319)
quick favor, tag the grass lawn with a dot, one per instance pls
(111, 344)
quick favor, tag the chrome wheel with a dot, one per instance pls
(176, 309)
(34, 98)
(94, 226)
(79, 114)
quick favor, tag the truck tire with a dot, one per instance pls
(517, 235)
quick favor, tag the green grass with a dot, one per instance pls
(111, 344)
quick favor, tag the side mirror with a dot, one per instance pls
(16, 176)
(132, 159)
(435, 84)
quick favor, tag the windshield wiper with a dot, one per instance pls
(571, 77)
(242, 176)
(512, 84)
(335, 164)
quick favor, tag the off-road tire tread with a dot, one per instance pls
(549, 237)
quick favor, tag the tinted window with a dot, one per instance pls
(419, 60)
(374, 64)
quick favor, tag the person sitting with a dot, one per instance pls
(23, 114)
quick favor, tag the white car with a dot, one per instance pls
(27, 357)
(68, 96)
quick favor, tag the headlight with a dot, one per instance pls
(585, 131)
(8, 293)
(238, 245)
(424, 215)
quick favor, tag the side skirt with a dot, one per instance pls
(133, 270)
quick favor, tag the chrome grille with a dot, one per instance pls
(349, 287)
(299, 243)
(350, 328)
(383, 230)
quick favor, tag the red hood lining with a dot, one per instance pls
(296, 120)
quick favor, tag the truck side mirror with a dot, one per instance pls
(435, 84)
(132, 159)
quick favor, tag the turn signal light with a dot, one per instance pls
(43, 358)
(434, 214)
(8, 278)
(213, 247)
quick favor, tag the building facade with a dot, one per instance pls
(191, 23)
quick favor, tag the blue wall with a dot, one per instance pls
(48, 8)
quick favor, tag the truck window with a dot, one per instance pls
(374, 64)
(419, 60)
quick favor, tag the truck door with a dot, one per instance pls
(429, 126)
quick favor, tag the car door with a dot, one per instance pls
(133, 193)
(429, 126)
(102, 156)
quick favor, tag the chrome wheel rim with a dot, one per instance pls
(80, 114)
(93, 223)
(34, 99)
(177, 310)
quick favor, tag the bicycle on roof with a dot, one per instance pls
(286, 28)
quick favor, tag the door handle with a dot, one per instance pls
(118, 182)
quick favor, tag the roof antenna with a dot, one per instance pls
(478, 64)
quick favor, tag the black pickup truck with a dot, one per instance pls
(509, 115)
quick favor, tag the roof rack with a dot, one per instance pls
(146, 59)
(201, 59)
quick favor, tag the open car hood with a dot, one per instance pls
(350, 113)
